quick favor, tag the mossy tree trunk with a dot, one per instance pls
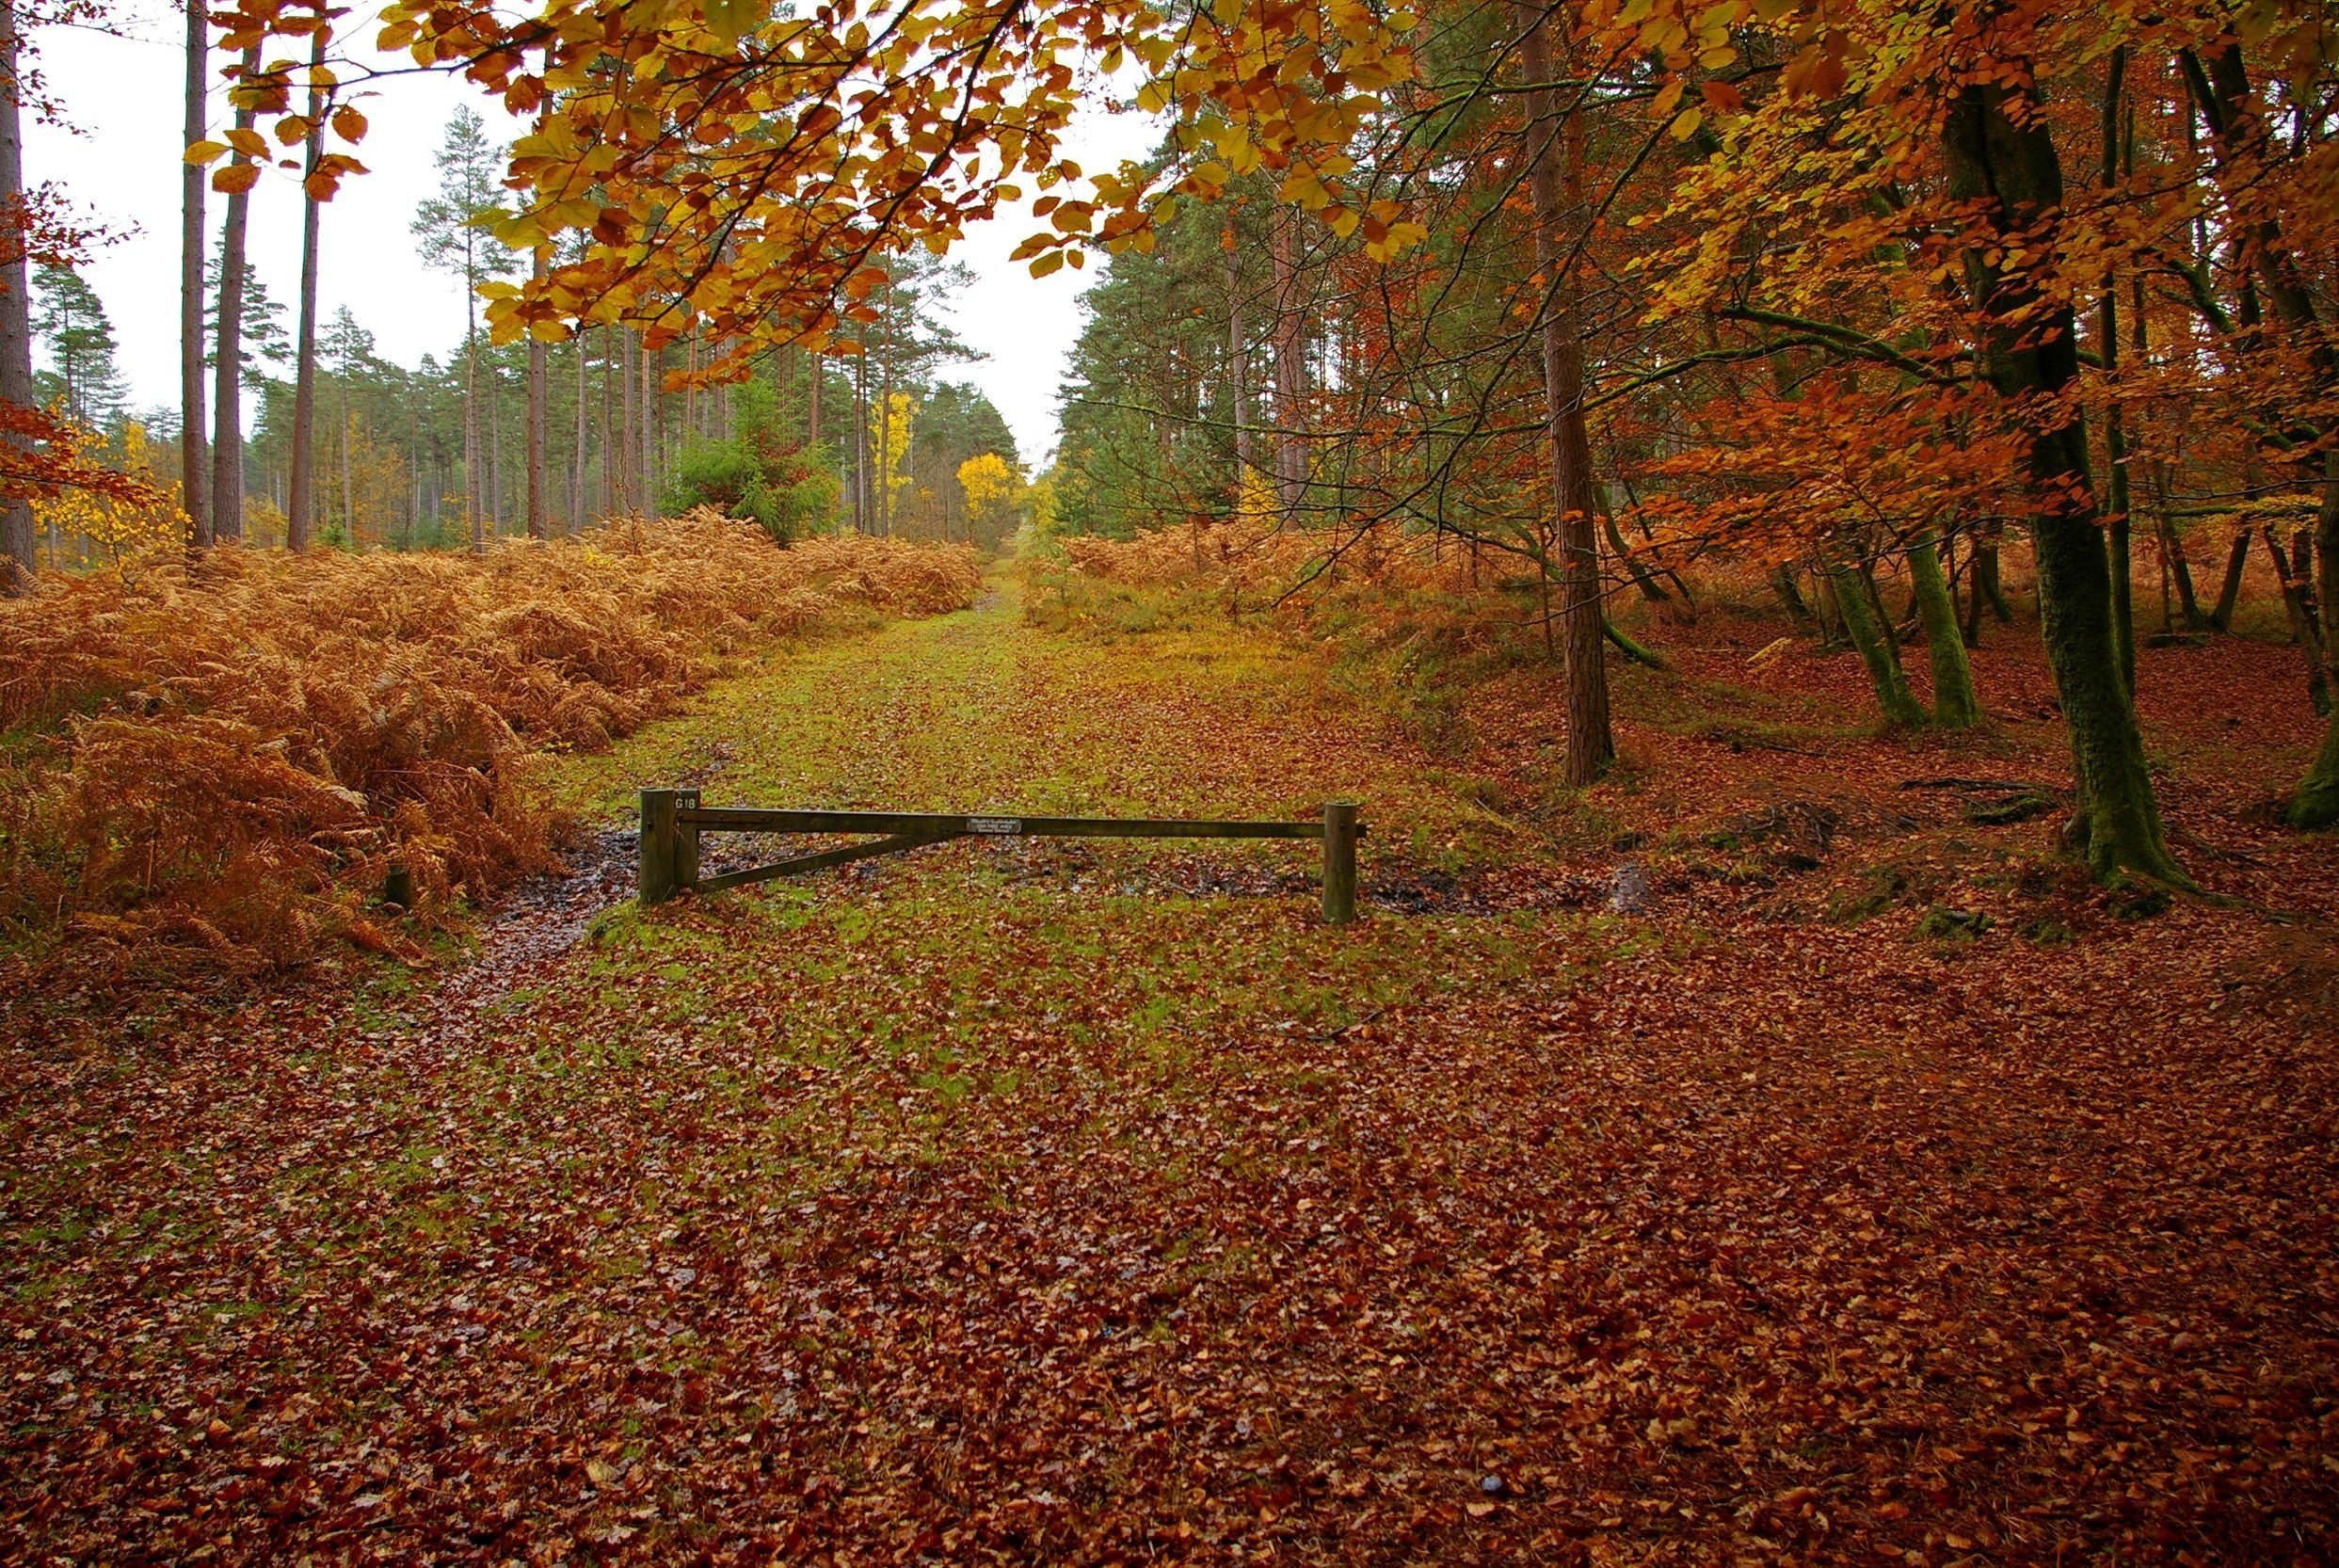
(1876, 650)
(2011, 171)
(1956, 705)
(2317, 805)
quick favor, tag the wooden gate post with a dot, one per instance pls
(658, 846)
(1339, 861)
(686, 843)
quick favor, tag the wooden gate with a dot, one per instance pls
(672, 820)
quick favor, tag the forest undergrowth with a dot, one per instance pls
(1877, 1190)
(215, 769)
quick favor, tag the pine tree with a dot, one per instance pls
(470, 173)
(70, 320)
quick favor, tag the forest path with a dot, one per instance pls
(1097, 1202)
(980, 712)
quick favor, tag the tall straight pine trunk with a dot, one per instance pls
(193, 466)
(227, 442)
(539, 502)
(576, 480)
(1554, 145)
(2013, 174)
(17, 549)
(299, 503)
(1289, 365)
(1238, 367)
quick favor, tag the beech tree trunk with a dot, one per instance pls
(227, 442)
(1956, 706)
(1556, 145)
(1867, 632)
(299, 502)
(194, 420)
(2115, 437)
(2013, 172)
(2221, 88)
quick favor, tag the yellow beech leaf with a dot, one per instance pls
(206, 151)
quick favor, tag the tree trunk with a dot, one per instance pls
(576, 481)
(18, 550)
(611, 502)
(2115, 435)
(2317, 804)
(227, 443)
(473, 495)
(2303, 627)
(1790, 597)
(1902, 709)
(494, 438)
(194, 467)
(1955, 704)
(629, 349)
(536, 425)
(298, 504)
(654, 426)
(2013, 172)
(1290, 366)
(811, 416)
(1555, 138)
(1238, 367)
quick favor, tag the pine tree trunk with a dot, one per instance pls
(1238, 367)
(653, 425)
(2013, 172)
(1955, 704)
(194, 467)
(1290, 366)
(537, 426)
(576, 483)
(298, 504)
(494, 436)
(629, 349)
(611, 503)
(473, 492)
(18, 549)
(1556, 146)
(227, 443)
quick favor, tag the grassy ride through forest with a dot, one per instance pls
(1094, 1201)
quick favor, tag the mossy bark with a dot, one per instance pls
(1956, 705)
(2030, 347)
(2317, 804)
(1876, 650)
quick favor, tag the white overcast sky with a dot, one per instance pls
(121, 164)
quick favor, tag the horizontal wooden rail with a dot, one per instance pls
(672, 820)
(750, 818)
